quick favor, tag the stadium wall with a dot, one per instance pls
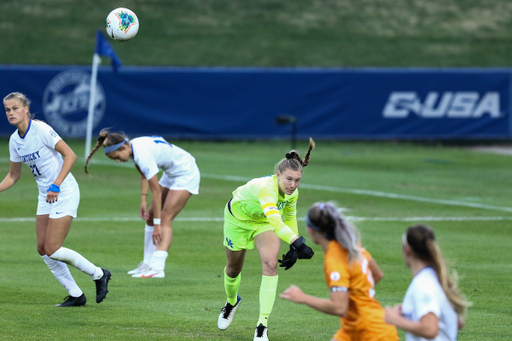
(243, 103)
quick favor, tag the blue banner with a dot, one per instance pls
(243, 103)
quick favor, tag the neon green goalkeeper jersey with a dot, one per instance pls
(259, 201)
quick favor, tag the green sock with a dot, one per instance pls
(231, 285)
(268, 290)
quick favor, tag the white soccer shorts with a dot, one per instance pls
(66, 204)
(188, 182)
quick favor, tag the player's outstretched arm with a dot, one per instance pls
(337, 304)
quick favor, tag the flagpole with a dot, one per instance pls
(96, 60)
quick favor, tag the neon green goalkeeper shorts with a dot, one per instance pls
(239, 234)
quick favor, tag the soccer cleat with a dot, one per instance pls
(102, 285)
(261, 333)
(143, 267)
(227, 313)
(151, 273)
(71, 301)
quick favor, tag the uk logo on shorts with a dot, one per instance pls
(229, 243)
(66, 103)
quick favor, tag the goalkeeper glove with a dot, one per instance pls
(289, 259)
(303, 251)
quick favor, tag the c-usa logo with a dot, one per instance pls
(66, 103)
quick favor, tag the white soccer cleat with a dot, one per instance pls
(151, 273)
(261, 333)
(143, 267)
(227, 313)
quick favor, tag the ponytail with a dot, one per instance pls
(293, 160)
(422, 241)
(105, 139)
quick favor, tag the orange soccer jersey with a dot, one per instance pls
(365, 317)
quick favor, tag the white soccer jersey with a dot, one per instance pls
(37, 150)
(424, 296)
(152, 153)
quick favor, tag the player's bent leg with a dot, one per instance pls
(61, 272)
(175, 201)
(267, 296)
(55, 234)
(232, 280)
(227, 313)
(59, 269)
(41, 226)
(268, 245)
(149, 250)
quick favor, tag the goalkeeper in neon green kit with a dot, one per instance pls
(261, 212)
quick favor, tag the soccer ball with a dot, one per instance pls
(122, 24)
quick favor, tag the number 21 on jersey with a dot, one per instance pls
(35, 171)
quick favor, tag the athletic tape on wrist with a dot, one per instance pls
(53, 188)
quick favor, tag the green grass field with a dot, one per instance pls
(385, 187)
(265, 33)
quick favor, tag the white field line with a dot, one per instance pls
(372, 193)
(334, 189)
(218, 219)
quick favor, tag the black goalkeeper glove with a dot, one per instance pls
(303, 251)
(288, 259)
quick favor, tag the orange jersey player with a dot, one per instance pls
(350, 274)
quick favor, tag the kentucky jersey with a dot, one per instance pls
(153, 153)
(37, 150)
(259, 200)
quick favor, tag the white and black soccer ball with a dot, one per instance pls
(122, 24)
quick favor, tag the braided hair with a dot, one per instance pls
(105, 139)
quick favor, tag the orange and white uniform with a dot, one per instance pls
(365, 317)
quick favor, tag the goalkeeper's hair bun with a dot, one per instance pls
(293, 160)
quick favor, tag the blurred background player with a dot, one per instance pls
(351, 275)
(37, 145)
(169, 196)
(261, 212)
(433, 307)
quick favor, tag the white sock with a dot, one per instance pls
(149, 247)
(75, 259)
(61, 272)
(158, 260)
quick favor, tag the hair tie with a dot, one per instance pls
(322, 205)
(289, 156)
(110, 149)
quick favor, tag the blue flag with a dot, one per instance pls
(103, 48)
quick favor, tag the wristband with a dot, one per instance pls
(156, 221)
(53, 188)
